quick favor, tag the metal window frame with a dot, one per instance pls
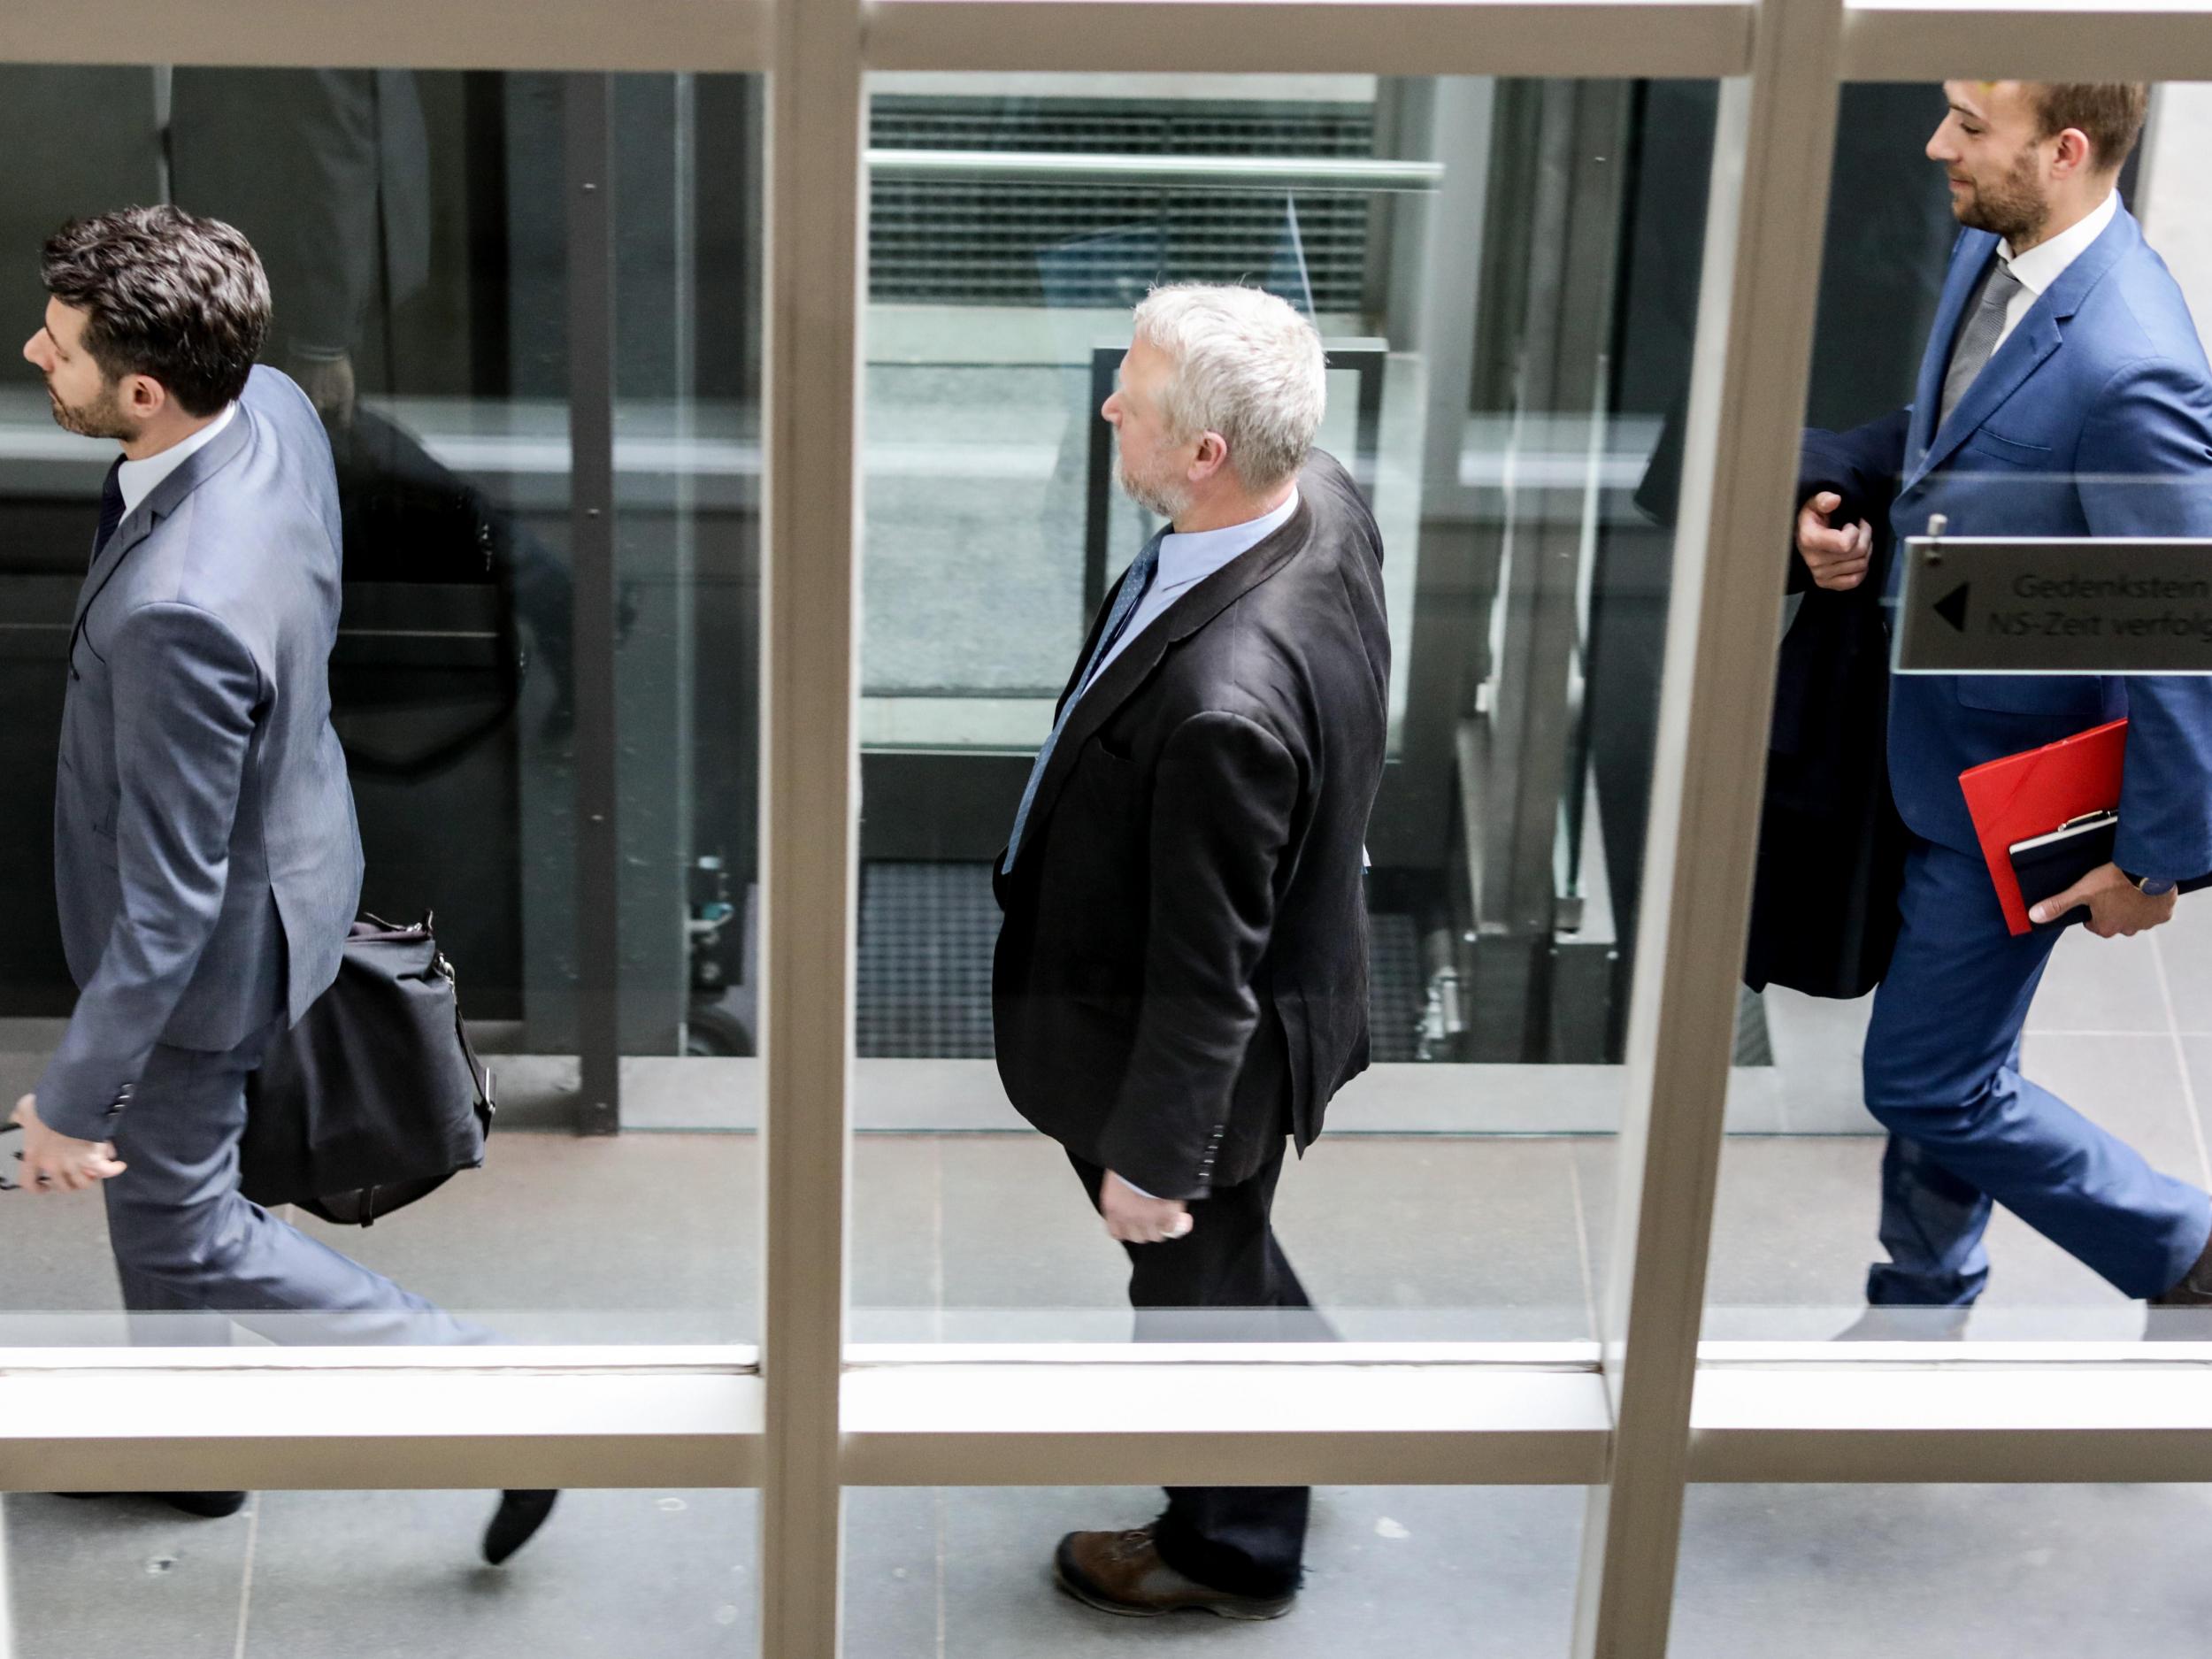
(1634, 1418)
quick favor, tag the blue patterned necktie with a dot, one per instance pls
(1142, 569)
(111, 506)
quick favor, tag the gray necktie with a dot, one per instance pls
(1978, 341)
(1142, 570)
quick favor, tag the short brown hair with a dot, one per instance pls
(179, 299)
(2109, 113)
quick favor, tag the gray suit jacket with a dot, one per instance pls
(206, 857)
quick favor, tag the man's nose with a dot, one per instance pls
(1938, 150)
(1110, 411)
(32, 354)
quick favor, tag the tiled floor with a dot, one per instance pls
(652, 1236)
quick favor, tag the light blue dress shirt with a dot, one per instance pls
(1187, 560)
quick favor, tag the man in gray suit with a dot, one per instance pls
(206, 859)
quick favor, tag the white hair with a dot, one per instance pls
(1244, 364)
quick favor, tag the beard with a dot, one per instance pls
(2011, 207)
(101, 417)
(1162, 496)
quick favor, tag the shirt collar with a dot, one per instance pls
(2044, 262)
(1186, 558)
(138, 479)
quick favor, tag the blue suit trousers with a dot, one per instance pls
(194, 1254)
(1942, 1075)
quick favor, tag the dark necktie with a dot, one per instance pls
(111, 506)
(1978, 341)
(1142, 569)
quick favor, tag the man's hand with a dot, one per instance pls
(1135, 1219)
(2117, 909)
(54, 1162)
(1837, 557)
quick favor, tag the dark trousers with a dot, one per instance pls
(1225, 1280)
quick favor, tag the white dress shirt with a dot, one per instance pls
(137, 478)
(2044, 262)
(1187, 560)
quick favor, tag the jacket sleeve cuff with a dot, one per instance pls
(71, 1103)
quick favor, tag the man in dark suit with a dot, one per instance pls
(2063, 393)
(206, 859)
(1181, 978)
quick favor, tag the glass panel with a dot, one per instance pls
(417, 233)
(2011, 1123)
(1408, 1570)
(347, 1575)
(2027, 1571)
(1502, 274)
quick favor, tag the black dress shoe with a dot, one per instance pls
(208, 1506)
(516, 1522)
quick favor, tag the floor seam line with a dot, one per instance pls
(2181, 1060)
(245, 1579)
(1582, 1242)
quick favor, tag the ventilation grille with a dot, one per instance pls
(960, 243)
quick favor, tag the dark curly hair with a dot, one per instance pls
(179, 299)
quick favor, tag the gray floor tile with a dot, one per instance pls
(635, 1238)
(99, 1580)
(391, 1575)
(55, 1247)
(1414, 1573)
(2096, 984)
(1966, 1572)
(1019, 1234)
(895, 1562)
(1480, 1232)
(2185, 946)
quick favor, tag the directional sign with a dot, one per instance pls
(1989, 605)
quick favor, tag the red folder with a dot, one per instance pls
(2036, 791)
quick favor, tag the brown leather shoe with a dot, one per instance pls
(1122, 1573)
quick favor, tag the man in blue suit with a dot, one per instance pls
(2063, 393)
(206, 858)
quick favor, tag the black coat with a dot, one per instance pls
(1832, 847)
(1181, 977)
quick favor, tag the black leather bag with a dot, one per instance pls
(375, 1098)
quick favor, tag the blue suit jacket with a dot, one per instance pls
(206, 857)
(2093, 419)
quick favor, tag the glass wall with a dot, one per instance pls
(1504, 274)
(1868, 1198)
(549, 489)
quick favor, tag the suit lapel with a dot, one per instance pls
(2040, 332)
(2024, 349)
(1975, 251)
(140, 522)
(1120, 680)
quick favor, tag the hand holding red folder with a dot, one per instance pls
(2018, 798)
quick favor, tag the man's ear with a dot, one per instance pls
(2075, 154)
(144, 397)
(1213, 455)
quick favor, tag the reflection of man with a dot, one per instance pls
(1181, 978)
(205, 854)
(2063, 393)
(328, 172)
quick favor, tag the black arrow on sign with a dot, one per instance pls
(1952, 606)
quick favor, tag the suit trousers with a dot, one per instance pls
(194, 1253)
(1942, 1075)
(1225, 1280)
